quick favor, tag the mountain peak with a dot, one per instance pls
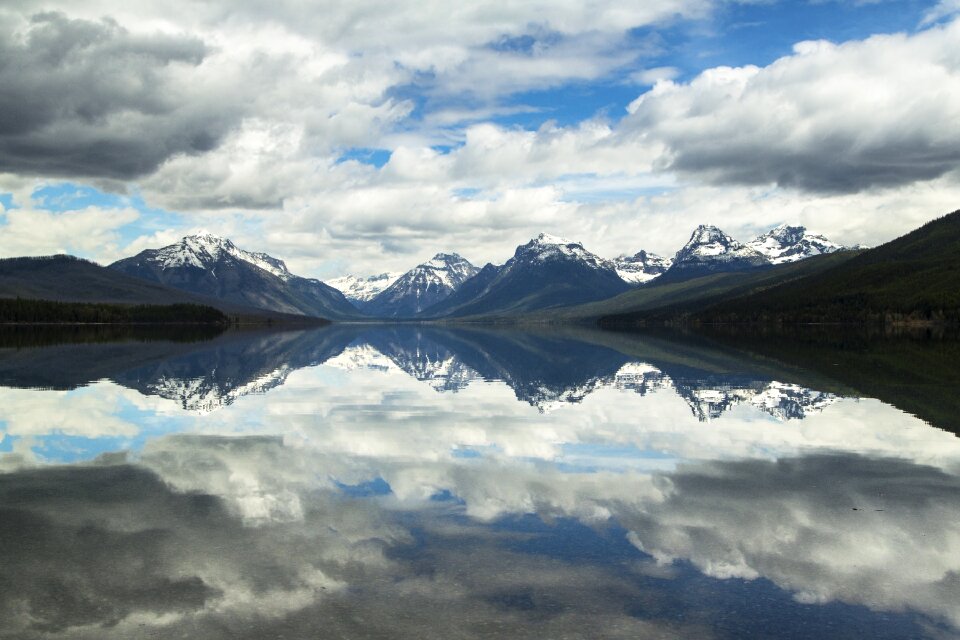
(203, 248)
(707, 233)
(547, 248)
(361, 289)
(423, 286)
(641, 267)
(546, 238)
(211, 265)
(790, 243)
(710, 249)
(206, 239)
(444, 260)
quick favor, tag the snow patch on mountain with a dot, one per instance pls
(641, 267)
(449, 269)
(546, 247)
(204, 248)
(364, 289)
(788, 243)
(423, 286)
(710, 249)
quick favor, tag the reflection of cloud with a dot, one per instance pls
(89, 413)
(114, 552)
(878, 532)
(112, 548)
(809, 524)
(182, 552)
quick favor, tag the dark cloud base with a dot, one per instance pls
(89, 99)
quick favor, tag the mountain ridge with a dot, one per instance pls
(209, 265)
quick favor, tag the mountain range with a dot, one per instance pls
(546, 273)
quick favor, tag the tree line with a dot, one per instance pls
(28, 311)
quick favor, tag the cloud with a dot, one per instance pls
(89, 98)
(826, 528)
(943, 9)
(91, 231)
(829, 118)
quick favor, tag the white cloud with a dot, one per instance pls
(943, 9)
(91, 231)
(845, 118)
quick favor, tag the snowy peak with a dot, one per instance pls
(364, 289)
(791, 243)
(423, 286)
(213, 266)
(707, 240)
(641, 267)
(204, 249)
(548, 248)
(546, 238)
(450, 268)
(710, 249)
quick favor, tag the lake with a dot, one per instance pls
(405, 481)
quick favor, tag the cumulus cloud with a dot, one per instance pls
(881, 112)
(91, 231)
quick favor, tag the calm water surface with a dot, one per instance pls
(404, 482)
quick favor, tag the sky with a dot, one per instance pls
(366, 136)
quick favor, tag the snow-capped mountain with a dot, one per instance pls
(360, 289)
(710, 250)
(204, 249)
(791, 243)
(213, 266)
(641, 267)
(423, 286)
(546, 272)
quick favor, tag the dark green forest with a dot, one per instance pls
(25, 311)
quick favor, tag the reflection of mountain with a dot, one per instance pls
(217, 373)
(547, 369)
(550, 369)
(710, 397)
(420, 354)
(199, 376)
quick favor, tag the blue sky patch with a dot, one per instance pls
(364, 155)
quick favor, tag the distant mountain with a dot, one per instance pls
(913, 278)
(361, 290)
(466, 294)
(545, 272)
(791, 243)
(421, 287)
(642, 267)
(209, 265)
(710, 250)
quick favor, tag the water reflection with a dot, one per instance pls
(414, 482)
(544, 369)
